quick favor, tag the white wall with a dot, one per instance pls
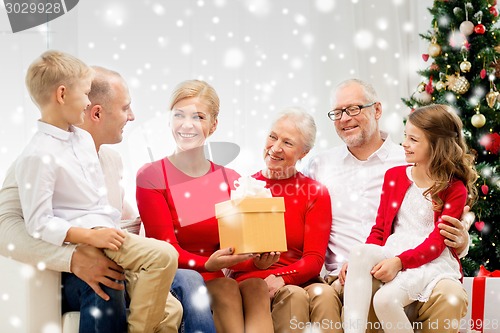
(259, 55)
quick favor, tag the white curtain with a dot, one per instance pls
(260, 56)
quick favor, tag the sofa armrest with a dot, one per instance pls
(30, 299)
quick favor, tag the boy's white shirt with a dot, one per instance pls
(15, 242)
(61, 184)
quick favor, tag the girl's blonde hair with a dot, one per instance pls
(449, 156)
(51, 70)
(200, 89)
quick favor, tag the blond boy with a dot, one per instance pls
(62, 189)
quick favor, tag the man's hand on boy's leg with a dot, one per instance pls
(93, 267)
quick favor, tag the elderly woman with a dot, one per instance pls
(308, 220)
(176, 197)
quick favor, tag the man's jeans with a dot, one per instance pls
(96, 314)
(100, 316)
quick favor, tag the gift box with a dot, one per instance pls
(483, 314)
(252, 225)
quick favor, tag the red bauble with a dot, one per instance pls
(491, 142)
(480, 29)
(482, 73)
(425, 57)
(479, 225)
(493, 10)
(485, 189)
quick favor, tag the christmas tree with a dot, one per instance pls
(464, 71)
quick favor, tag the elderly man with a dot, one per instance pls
(353, 174)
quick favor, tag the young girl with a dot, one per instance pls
(405, 250)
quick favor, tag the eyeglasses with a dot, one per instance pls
(352, 110)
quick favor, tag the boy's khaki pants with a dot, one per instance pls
(150, 266)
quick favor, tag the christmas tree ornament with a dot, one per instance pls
(465, 66)
(491, 97)
(467, 28)
(434, 48)
(450, 80)
(479, 225)
(482, 74)
(480, 29)
(460, 85)
(485, 189)
(425, 57)
(491, 142)
(493, 11)
(421, 87)
(428, 87)
(496, 65)
(434, 67)
(478, 16)
(423, 97)
(478, 120)
(440, 85)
